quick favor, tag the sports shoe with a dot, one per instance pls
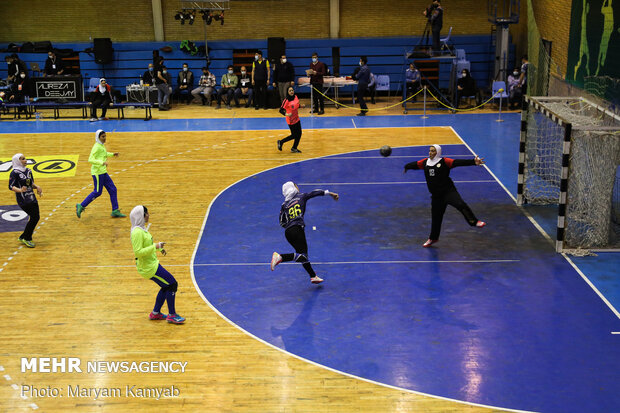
(29, 244)
(316, 280)
(275, 260)
(280, 146)
(117, 214)
(429, 242)
(480, 224)
(361, 114)
(158, 316)
(78, 210)
(295, 150)
(93, 119)
(218, 107)
(175, 319)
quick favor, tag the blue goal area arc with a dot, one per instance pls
(489, 316)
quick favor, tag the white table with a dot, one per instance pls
(329, 81)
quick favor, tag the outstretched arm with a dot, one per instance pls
(415, 165)
(452, 163)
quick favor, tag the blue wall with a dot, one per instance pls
(386, 56)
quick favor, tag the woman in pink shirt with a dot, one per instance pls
(290, 108)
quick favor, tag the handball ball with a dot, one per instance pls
(385, 150)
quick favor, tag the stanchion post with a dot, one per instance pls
(311, 100)
(424, 117)
(499, 115)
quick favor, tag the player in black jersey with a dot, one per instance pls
(292, 220)
(442, 189)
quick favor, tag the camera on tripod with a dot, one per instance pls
(429, 11)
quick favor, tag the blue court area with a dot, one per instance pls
(490, 316)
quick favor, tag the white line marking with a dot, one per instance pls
(7, 377)
(366, 262)
(354, 125)
(23, 397)
(387, 183)
(15, 386)
(544, 233)
(615, 332)
(317, 263)
(1, 368)
(34, 406)
(9, 259)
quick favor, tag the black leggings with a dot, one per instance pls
(99, 102)
(296, 236)
(295, 134)
(438, 208)
(32, 210)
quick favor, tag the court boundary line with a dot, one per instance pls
(193, 275)
(232, 264)
(544, 233)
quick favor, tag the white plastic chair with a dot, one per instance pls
(383, 83)
(444, 41)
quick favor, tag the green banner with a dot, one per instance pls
(594, 42)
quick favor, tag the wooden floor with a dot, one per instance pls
(77, 294)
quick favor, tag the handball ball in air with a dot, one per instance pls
(385, 150)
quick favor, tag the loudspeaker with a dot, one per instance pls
(336, 60)
(104, 53)
(276, 47)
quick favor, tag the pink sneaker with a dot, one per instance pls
(480, 224)
(429, 242)
(275, 260)
(316, 280)
(158, 316)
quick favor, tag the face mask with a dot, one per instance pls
(185, 69)
(243, 73)
(23, 75)
(255, 57)
(515, 73)
(164, 72)
(230, 72)
(463, 74)
(50, 56)
(361, 64)
(150, 69)
(314, 60)
(283, 61)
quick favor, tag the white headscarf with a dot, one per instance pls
(98, 134)
(289, 190)
(437, 157)
(137, 217)
(101, 87)
(17, 164)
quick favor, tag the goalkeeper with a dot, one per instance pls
(442, 189)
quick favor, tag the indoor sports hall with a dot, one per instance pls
(519, 314)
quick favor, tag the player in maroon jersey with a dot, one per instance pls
(442, 189)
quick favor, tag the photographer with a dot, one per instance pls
(434, 14)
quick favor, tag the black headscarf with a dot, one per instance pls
(289, 97)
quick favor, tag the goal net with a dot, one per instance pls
(569, 156)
